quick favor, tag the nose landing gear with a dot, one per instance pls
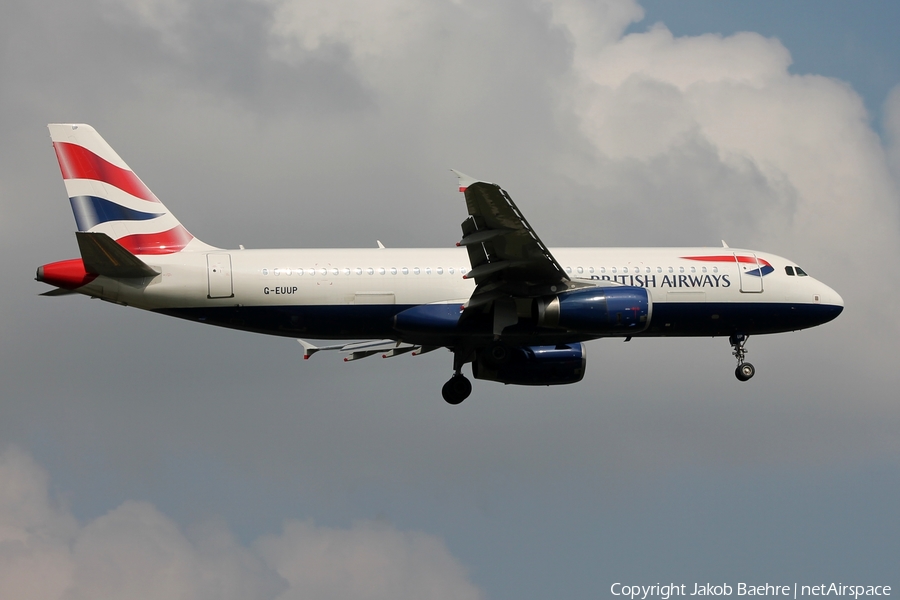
(744, 370)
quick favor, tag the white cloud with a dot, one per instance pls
(370, 560)
(135, 551)
(818, 177)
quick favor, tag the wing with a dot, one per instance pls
(507, 256)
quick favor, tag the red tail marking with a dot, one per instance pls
(77, 162)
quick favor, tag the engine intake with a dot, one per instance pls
(622, 310)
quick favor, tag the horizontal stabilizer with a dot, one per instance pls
(102, 255)
(59, 292)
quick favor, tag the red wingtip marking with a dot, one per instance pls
(306, 357)
(462, 188)
(346, 359)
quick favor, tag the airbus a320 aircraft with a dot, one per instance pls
(501, 300)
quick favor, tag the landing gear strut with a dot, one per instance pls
(744, 370)
(458, 388)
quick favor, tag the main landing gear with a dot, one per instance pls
(458, 388)
(744, 370)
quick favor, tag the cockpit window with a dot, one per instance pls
(789, 271)
(801, 272)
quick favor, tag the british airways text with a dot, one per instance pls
(672, 281)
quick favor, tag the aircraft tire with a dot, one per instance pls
(744, 371)
(457, 389)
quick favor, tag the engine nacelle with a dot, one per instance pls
(624, 310)
(531, 365)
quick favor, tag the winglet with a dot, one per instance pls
(308, 349)
(464, 180)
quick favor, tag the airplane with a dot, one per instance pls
(499, 299)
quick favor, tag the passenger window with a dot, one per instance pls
(370, 271)
(275, 272)
(463, 270)
(681, 269)
(580, 270)
(569, 270)
(334, 271)
(346, 271)
(614, 270)
(358, 271)
(624, 269)
(591, 270)
(789, 271)
(428, 270)
(693, 269)
(381, 270)
(440, 270)
(416, 270)
(671, 270)
(659, 269)
(393, 270)
(405, 271)
(450, 270)
(265, 271)
(299, 272)
(703, 269)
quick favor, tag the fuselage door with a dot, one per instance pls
(219, 273)
(749, 272)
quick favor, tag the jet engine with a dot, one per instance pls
(531, 365)
(624, 310)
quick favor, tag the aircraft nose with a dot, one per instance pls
(833, 301)
(832, 297)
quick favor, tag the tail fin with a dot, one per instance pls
(107, 197)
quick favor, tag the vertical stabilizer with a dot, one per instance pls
(107, 197)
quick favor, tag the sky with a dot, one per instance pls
(146, 457)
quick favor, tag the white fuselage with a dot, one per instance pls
(366, 278)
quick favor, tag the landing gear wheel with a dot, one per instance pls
(745, 371)
(457, 389)
(495, 355)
